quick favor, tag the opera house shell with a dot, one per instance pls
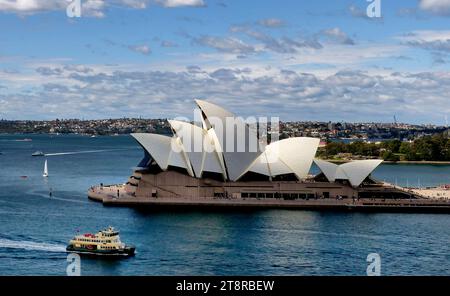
(205, 162)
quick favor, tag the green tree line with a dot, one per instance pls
(428, 148)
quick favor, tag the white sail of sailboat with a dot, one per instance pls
(45, 169)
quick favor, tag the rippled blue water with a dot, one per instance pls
(35, 228)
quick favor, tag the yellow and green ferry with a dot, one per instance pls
(105, 242)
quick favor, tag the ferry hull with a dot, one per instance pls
(126, 252)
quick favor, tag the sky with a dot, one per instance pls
(300, 60)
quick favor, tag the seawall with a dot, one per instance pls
(346, 205)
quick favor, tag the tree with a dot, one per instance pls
(393, 146)
(389, 156)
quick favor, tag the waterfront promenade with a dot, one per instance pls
(115, 195)
(433, 193)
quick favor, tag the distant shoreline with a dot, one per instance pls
(398, 162)
(337, 161)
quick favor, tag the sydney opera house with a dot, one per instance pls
(213, 161)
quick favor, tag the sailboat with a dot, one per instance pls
(45, 169)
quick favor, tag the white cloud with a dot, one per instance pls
(439, 7)
(338, 35)
(225, 44)
(91, 8)
(168, 43)
(271, 23)
(143, 49)
(426, 35)
(435, 41)
(180, 3)
(283, 45)
(137, 4)
(98, 91)
(29, 6)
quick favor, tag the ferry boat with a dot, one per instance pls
(106, 242)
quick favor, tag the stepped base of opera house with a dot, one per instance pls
(176, 190)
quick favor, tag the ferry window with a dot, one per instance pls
(269, 195)
(261, 195)
(244, 194)
(252, 195)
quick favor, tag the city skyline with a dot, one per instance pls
(380, 123)
(297, 60)
(323, 130)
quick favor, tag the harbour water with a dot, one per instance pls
(35, 227)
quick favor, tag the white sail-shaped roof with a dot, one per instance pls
(355, 172)
(191, 138)
(178, 157)
(227, 145)
(293, 155)
(210, 158)
(298, 154)
(275, 168)
(198, 146)
(166, 151)
(158, 146)
(229, 131)
(213, 160)
(328, 169)
(279, 168)
(261, 165)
